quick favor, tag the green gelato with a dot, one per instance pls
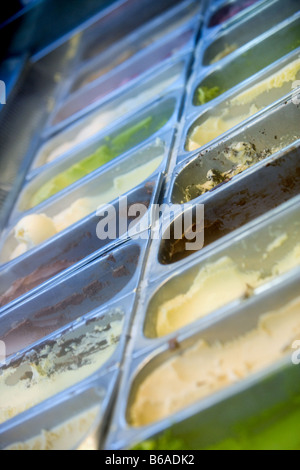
(255, 59)
(275, 429)
(104, 154)
(205, 94)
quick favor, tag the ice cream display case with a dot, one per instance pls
(147, 127)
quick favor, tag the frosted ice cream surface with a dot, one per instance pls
(249, 101)
(204, 298)
(65, 436)
(204, 369)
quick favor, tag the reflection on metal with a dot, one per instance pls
(2, 92)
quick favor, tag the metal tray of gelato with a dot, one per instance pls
(100, 151)
(258, 22)
(140, 39)
(82, 411)
(252, 99)
(170, 77)
(263, 249)
(192, 391)
(85, 353)
(124, 18)
(223, 78)
(221, 15)
(147, 340)
(131, 72)
(86, 290)
(33, 254)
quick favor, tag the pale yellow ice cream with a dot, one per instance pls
(230, 116)
(105, 118)
(55, 368)
(277, 80)
(228, 49)
(207, 368)
(66, 436)
(34, 229)
(37, 228)
(215, 286)
(215, 126)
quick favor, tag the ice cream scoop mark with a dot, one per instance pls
(200, 384)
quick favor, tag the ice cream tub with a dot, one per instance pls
(79, 244)
(96, 69)
(225, 77)
(210, 406)
(250, 27)
(137, 42)
(77, 295)
(135, 179)
(257, 192)
(74, 421)
(74, 247)
(100, 152)
(280, 82)
(130, 73)
(223, 15)
(120, 20)
(170, 77)
(249, 145)
(169, 296)
(60, 364)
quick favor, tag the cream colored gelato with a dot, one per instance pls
(230, 116)
(66, 436)
(55, 368)
(207, 368)
(277, 80)
(228, 49)
(105, 118)
(215, 126)
(37, 228)
(215, 286)
(34, 229)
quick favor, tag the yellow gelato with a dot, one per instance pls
(231, 116)
(55, 368)
(206, 368)
(228, 49)
(66, 436)
(215, 126)
(34, 229)
(215, 286)
(277, 80)
(37, 228)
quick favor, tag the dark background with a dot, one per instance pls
(29, 26)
